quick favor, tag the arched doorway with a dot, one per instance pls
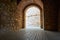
(32, 17)
(24, 6)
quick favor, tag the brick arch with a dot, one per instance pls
(25, 3)
(29, 5)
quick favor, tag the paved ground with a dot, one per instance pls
(28, 34)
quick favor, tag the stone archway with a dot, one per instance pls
(21, 7)
(32, 17)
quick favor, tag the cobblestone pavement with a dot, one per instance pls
(28, 34)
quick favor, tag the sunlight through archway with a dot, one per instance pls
(32, 20)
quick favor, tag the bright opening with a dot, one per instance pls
(32, 20)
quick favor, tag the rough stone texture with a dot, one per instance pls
(7, 15)
(11, 16)
(12, 20)
(20, 10)
(50, 15)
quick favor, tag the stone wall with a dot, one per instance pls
(7, 15)
(12, 16)
(50, 15)
(21, 10)
(59, 16)
(12, 19)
